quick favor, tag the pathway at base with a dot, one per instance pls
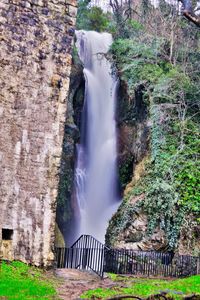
(76, 282)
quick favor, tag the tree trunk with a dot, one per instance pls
(189, 13)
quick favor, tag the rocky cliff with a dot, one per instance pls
(35, 64)
(67, 212)
(158, 147)
(130, 227)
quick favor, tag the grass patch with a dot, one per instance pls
(177, 289)
(19, 281)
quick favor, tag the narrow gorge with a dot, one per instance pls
(149, 134)
(95, 192)
(99, 128)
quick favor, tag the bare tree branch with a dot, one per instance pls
(188, 12)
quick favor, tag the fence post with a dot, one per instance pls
(87, 253)
(198, 265)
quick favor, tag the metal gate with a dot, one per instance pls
(86, 253)
(89, 254)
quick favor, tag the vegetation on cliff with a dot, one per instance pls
(92, 17)
(159, 55)
(156, 53)
(172, 176)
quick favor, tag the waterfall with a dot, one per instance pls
(96, 171)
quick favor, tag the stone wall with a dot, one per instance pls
(35, 63)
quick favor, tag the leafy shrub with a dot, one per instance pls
(171, 183)
(92, 18)
(160, 206)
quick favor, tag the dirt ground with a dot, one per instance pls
(72, 283)
(75, 282)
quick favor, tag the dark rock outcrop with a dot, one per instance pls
(133, 132)
(66, 208)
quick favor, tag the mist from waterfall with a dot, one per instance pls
(96, 171)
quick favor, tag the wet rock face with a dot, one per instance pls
(66, 214)
(128, 229)
(136, 236)
(35, 64)
(133, 132)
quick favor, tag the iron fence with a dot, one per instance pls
(86, 253)
(120, 261)
(89, 254)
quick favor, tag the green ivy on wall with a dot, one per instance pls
(172, 180)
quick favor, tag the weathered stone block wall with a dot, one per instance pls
(35, 64)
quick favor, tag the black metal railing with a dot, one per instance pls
(120, 261)
(87, 253)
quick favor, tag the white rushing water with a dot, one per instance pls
(95, 174)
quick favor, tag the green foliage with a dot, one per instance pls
(113, 276)
(97, 20)
(75, 57)
(177, 289)
(170, 86)
(135, 25)
(187, 175)
(137, 62)
(64, 210)
(19, 281)
(175, 189)
(160, 206)
(141, 62)
(82, 14)
(171, 93)
(188, 185)
(129, 29)
(126, 171)
(92, 18)
(125, 215)
(99, 293)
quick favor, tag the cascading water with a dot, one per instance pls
(96, 171)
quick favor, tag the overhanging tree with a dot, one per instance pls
(123, 10)
(189, 13)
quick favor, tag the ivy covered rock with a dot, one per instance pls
(159, 64)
